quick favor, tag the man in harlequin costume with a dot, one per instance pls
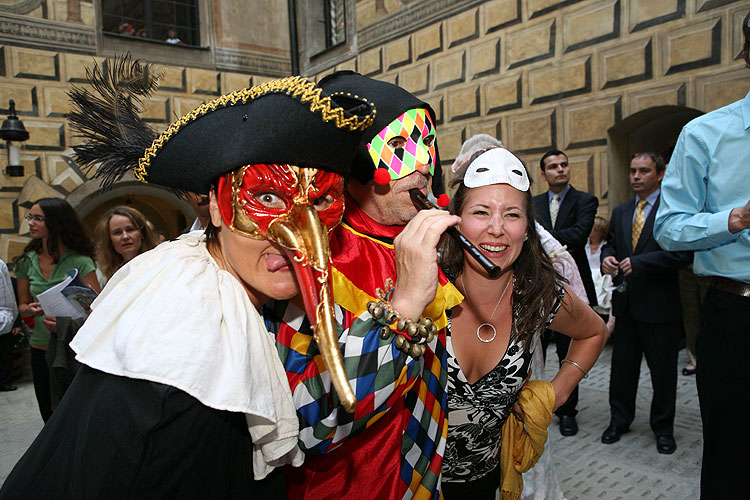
(391, 300)
(181, 393)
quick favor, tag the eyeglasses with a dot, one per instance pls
(35, 218)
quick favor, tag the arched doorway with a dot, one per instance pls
(653, 129)
(166, 211)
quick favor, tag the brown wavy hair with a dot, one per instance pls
(537, 283)
(107, 258)
(63, 227)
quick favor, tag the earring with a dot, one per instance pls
(526, 238)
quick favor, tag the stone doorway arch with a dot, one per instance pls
(166, 211)
(653, 129)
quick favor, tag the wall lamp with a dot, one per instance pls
(13, 131)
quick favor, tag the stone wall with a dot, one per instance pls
(543, 74)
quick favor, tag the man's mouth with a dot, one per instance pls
(276, 262)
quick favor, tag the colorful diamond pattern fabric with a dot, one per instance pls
(414, 126)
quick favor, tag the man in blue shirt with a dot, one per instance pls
(705, 208)
(646, 304)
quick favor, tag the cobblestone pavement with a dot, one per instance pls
(586, 468)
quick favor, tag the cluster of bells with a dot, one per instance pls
(420, 332)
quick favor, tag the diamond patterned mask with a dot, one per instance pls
(405, 145)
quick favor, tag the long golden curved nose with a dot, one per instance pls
(305, 238)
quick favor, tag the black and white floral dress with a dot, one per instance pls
(477, 412)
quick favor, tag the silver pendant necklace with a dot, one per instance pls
(489, 322)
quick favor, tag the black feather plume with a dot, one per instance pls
(109, 118)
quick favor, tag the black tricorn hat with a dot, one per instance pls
(391, 101)
(281, 121)
(288, 120)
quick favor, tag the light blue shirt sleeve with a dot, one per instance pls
(683, 221)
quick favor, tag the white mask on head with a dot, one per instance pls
(497, 166)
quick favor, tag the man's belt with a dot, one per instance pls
(732, 286)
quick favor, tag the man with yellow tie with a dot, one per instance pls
(646, 304)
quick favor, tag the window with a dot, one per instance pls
(327, 24)
(169, 21)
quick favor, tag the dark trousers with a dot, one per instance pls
(723, 379)
(40, 374)
(659, 342)
(6, 357)
(562, 343)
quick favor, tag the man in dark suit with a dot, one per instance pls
(568, 214)
(646, 306)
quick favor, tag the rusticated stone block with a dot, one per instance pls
(551, 83)
(173, 79)
(235, 81)
(737, 37)
(591, 25)
(581, 171)
(157, 109)
(58, 173)
(626, 63)
(76, 66)
(669, 95)
(485, 58)
(12, 246)
(8, 210)
(490, 127)
(389, 77)
(692, 47)
(530, 44)
(704, 5)
(436, 102)
(463, 103)
(32, 169)
(350, 65)
(585, 124)
(647, 13)
(45, 136)
(463, 27)
(184, 105)
(24, 95)
(541, 7)
(56, 102)
(428, 41)
(502, 95)
(36, 64)
(532, 132)
(205, 82)
(398, 53)
(371, 62)
(416, 79)
(500, 14)
(449, 69)
(715, 91)
(450, 141)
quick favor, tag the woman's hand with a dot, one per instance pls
(50, 323)
(31, 309)
(416, 261)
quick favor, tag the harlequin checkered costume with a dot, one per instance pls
(393, 444)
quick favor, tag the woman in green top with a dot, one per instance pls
(60, 243)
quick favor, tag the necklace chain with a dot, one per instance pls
(489, 322)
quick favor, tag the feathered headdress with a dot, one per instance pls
(116, 136)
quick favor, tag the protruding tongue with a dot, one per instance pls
(274, 262)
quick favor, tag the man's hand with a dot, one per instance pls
(626, 266)
(739, 218)
(416, 261)
(610, 265)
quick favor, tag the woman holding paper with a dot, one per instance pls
(60, 243)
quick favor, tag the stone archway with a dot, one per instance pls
(653, 129)
(166, 211)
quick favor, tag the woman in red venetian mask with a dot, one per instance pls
(181, 393)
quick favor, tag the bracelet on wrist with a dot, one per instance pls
(571, 362)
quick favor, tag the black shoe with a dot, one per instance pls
(689, 370)
(7, 388)
(613, 433)
(568, 425)
(665, 445)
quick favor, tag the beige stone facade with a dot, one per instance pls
(598, 79)
(46, 46)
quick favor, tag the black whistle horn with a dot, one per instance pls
(423, 203)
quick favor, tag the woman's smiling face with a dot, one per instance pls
(495, 219)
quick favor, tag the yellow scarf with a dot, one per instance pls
(523, 442)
